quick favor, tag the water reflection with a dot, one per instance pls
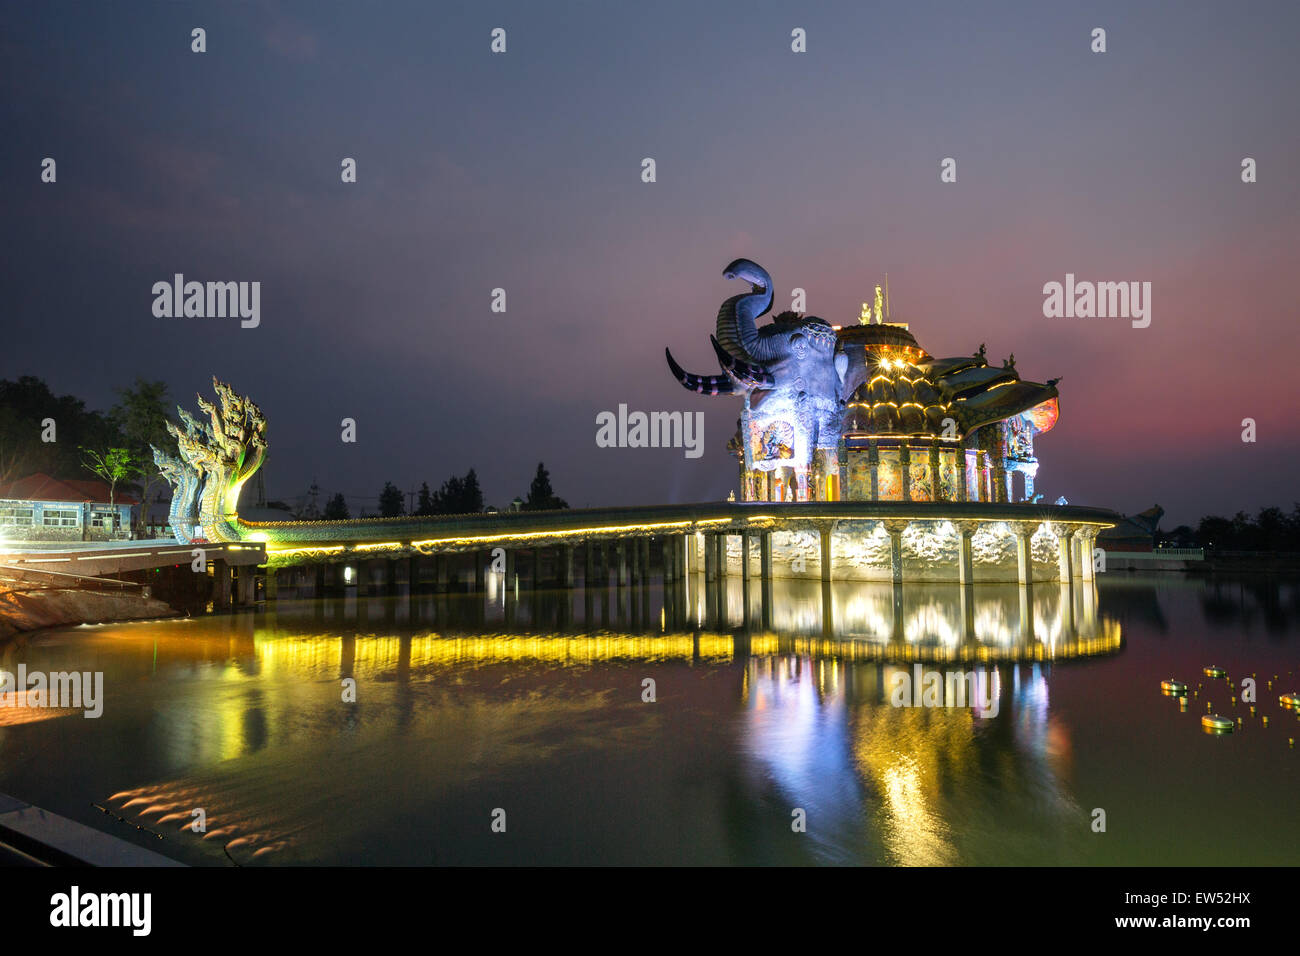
(767, 703)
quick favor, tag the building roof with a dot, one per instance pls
(896, 389)
(41, 487)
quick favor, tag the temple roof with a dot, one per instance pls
(897, 390)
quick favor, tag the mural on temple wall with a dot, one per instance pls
(889, 476)
(922, 484)
(950, 476)
(812, 392)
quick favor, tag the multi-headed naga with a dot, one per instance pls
(218, 457)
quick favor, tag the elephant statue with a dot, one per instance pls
(790, 374)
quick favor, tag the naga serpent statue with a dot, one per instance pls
(185, 482)
(789, 373)
(217, 457)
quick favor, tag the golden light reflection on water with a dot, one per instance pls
(249, 709)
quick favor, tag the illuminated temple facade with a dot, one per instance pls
(913, 428)
(864, 413)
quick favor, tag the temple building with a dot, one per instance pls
(912, 427)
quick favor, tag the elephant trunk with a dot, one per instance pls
(737, 329)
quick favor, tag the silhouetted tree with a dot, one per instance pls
(25, 405)
(424, 503)
(540, 495)
(141, 416)
(336, 509)
(390, 501)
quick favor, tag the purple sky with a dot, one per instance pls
(522, 171)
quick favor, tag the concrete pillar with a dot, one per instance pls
(895, 527)
(621, 547)
(720, 542)
(588, 563)
(824, 532)
(1024, 554)
(744, 577)
(390, 576)
(1088, 544)
(272, 586)
(645, 560)
(710, 558)
(220, 585)
(318, 590)
(566, 565)
(936, 484)
(511, 574)
(1065, 553)
(765, 574)
(965, 563)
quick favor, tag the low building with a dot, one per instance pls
(41, 508)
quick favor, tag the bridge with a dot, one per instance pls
(717, 537)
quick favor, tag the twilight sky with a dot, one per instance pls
(523, 171)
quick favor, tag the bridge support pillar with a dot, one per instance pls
(744, 576)
(965, 566)
(765, 575)
(710, 558)
(720, 542)
(220, 585)
(272, 586)
(566, 565)
(895, 528)
(824, 532)
(1024, 554)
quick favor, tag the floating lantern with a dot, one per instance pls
(1215, 670)
(1214, 724)
(1173, 687)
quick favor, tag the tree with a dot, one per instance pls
(424, 503)
(336, 509)
(540, 495)
(473, 495)
(28, 446)
(390, 501)
(113, 466)
(141, 417)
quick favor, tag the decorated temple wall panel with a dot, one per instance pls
(861, 551)
(993, 546)
(922, 482)
(890, 475)
(859, 476)
(949, 475)
(796, 554)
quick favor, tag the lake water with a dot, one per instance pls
(531, 712)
